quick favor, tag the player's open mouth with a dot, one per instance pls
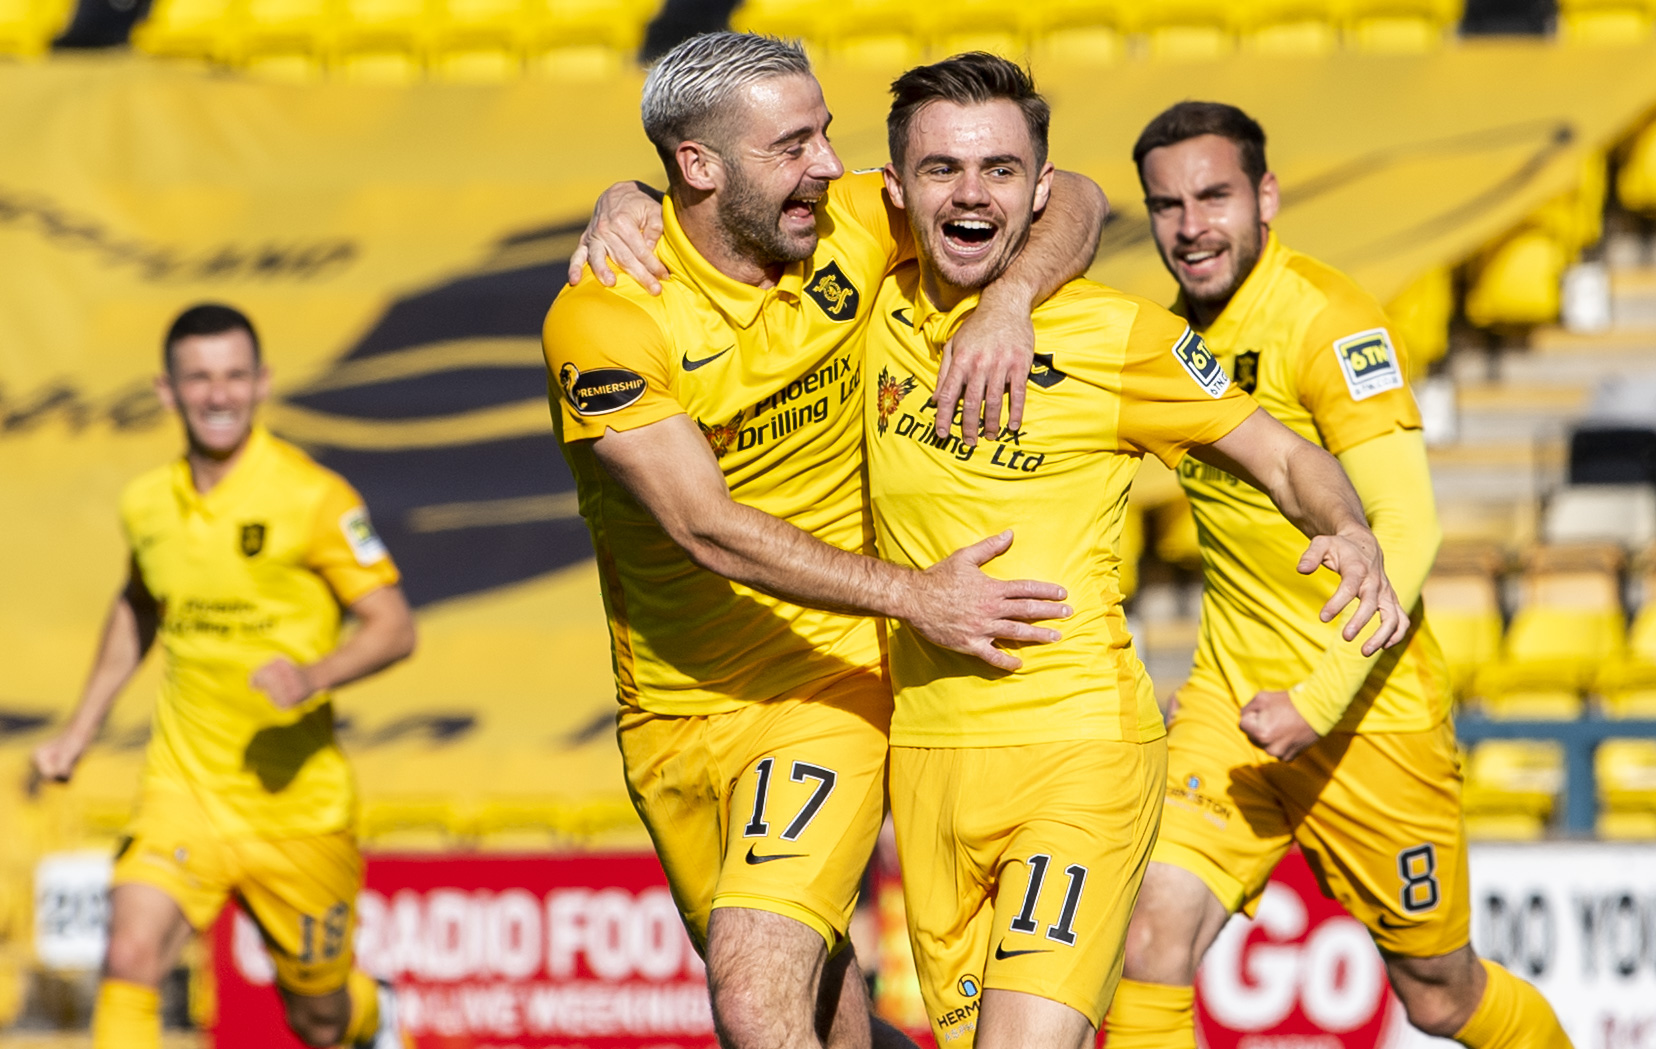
(1201, 262)
(969, 236)
(800, 209)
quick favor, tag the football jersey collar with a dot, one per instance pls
(939, 326)
(740, 303)
(227, 490)
(1234, 317)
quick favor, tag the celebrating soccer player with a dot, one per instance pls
(1025, 804)
(1283, 734)
(715, 433)
(243, 552)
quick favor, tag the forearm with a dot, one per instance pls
(1062, 243)
(121, 650)
(1391, 475)
(378, 642)
(1315, 494)
(774, 557)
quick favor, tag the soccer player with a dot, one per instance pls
(243, 553)
(1026, 803)
(1282, 734)
(715, 433)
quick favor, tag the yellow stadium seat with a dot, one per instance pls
(1518, 282)
(1465, 614)
(1605, 22)
(28, 26)
(382, 40)
(1512, 787)
(1421, 314)
(996, 26)
(1085, 31)
(1186, 29)
(286, 38)
(884, 34)
(1289, 27)
(188, 29)
(789, 19)
(1636, 181)
(1629, 684)
(1625, 770)
(461, 26)
(1626, 826)
(1400, 26)
(1576, 219)
(1569, 626)
(475, 65)
(414, 825)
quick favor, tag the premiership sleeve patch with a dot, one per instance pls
(360, 536)
(1368, 363)
(1202, 365)
(601, 390)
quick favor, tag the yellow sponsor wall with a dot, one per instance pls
(397, 247)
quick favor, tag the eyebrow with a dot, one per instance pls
(1205, 191)
(801, 133)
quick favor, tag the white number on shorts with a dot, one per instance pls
(757, 827)
(1062, 931)
(1418, 869)
(825, 786)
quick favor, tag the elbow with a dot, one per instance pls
(404, 640)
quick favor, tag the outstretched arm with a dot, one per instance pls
(128, 632)
(668, 467)
(384, 635)
(995, 347)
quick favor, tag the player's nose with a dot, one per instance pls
(826, 164)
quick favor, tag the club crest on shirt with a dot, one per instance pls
(1201, 364)
(1043, 374)
(1245, 373)
(833, 292)
(1368, 363)
(890, 393)
(601, 390)
(722, 437)
(252, 538)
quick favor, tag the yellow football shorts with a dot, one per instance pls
(773, 806)
(1020, 869)
(301, 891)
(1378, 816)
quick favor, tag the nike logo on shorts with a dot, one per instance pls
(1001, 953)
(1386, 922)
(755, 858)
(690, 365)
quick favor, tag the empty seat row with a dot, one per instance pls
(1514, 787)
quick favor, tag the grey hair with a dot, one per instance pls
(685, 91)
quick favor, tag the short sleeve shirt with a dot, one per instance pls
(1116, 377)
(257, 568)
(773, 378)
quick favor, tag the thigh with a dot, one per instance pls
(302, 893)
(1223, 822)
(1384, 834)
(806, 802)
(174, 849)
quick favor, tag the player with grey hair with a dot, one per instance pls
(714, 426)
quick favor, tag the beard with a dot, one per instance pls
(752, 223)
(1244, 251)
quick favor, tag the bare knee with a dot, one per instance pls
(763, 974)
(134, 957)
(1439, 994)
(318, 1020)
(1174, 922)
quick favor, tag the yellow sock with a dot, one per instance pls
(1511, 1015)
(365, 1018)
(1151, 1016)
(126, 1016)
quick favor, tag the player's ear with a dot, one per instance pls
(261, 383)
(894, 185)
(1270, 198)
(164, 392)
(698, 166)
(1043, 187)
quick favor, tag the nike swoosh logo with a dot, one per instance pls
(1386, 923)
(901, 313)
(1001, 953)
(690, 365)
(753, 857)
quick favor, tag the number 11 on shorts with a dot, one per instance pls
(1063, 930)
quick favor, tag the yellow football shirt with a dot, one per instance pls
(1317, 353)
(773, 377)
(1116, 377)
(256, 568)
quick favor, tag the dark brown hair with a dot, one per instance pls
(207, 318)
(969, 79)
(1188, 120)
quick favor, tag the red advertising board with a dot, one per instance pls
(1302, 975)
(500, 953)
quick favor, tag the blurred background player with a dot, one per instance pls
(1025, 804)
(715, 434)
(243, 553)
(1282, 735)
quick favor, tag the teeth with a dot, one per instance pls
(1200, 256)
(972, 224)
